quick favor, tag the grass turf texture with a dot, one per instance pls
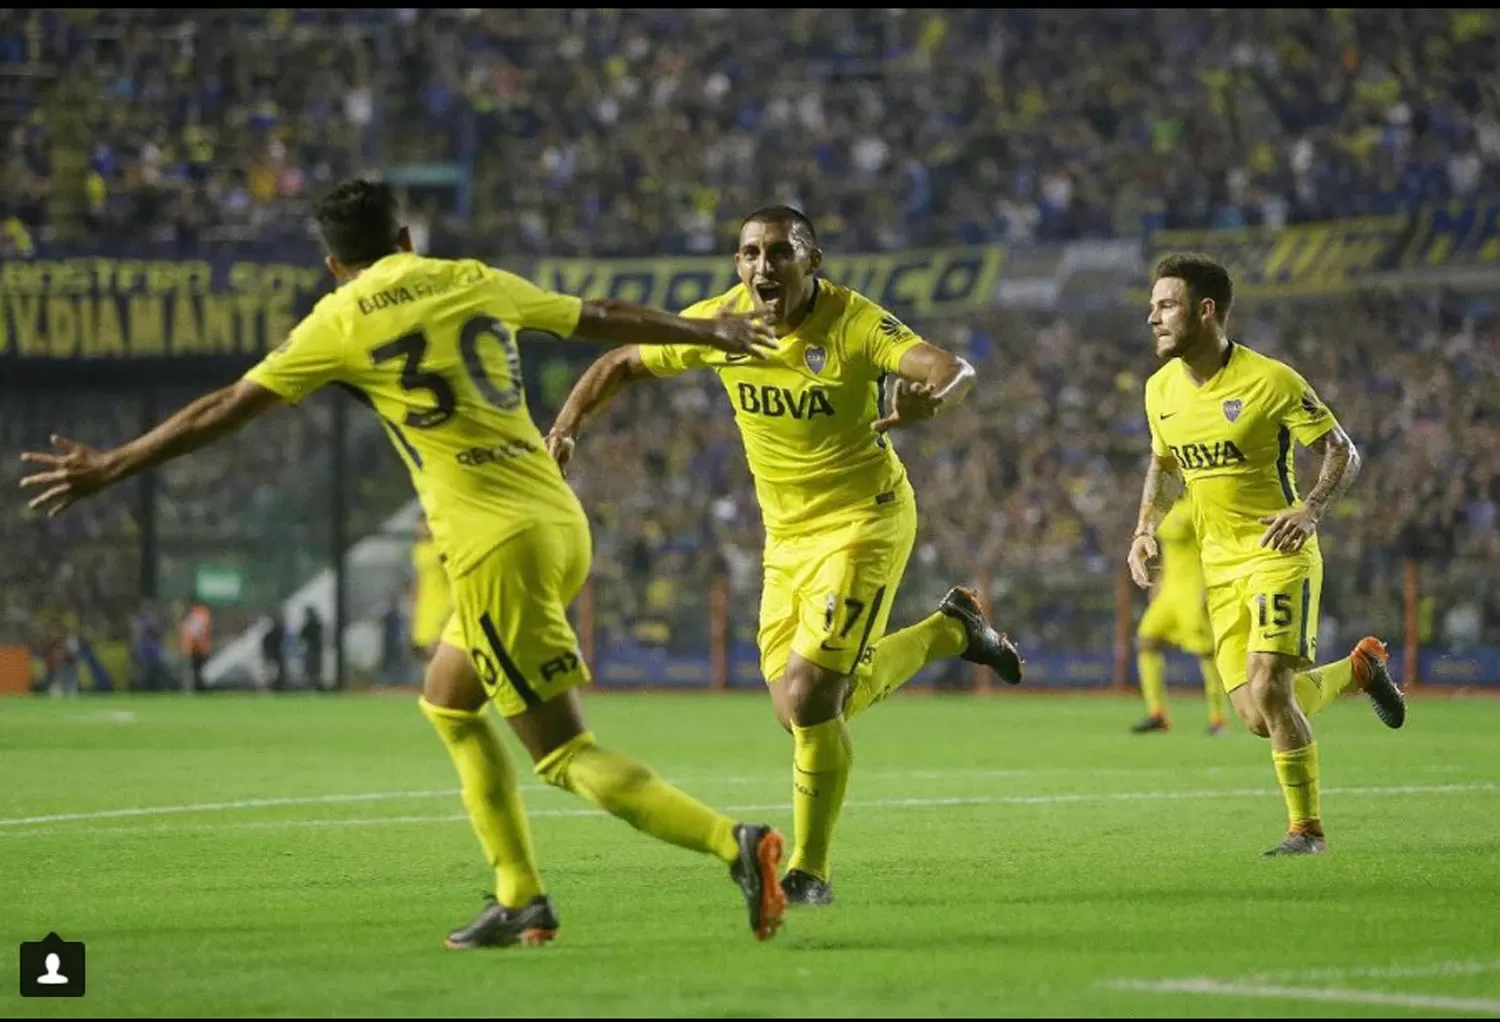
(1014, 855)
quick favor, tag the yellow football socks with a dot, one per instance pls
(1153, 669)
(1213, 689)
(900, 656)
(493, 800)
(634, 793)
(1297, 770)
(1319, 687)
(821, 760)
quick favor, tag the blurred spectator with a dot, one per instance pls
(312, 647)
(197, 641)
(273, 652)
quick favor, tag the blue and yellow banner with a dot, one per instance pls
(908, 283)
(1340, 255)
(1301, 259)
(94, 310)
(1452, 236)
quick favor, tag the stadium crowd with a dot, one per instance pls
(617, 132)
(621, 132)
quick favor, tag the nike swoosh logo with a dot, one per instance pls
(830, 649)
(1166, 415)
(736, 358)
(1273, 635)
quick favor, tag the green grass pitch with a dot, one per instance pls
(1012, 855)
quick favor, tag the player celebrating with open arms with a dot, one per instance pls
(430, 346)
(1222, 419)
(840, 514)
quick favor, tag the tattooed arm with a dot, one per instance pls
(1160, 492)
(1290, 529)
(1341, 465)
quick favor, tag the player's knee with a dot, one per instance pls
(1255, 724)
(1271, 693)
(783, 716)
(1246, 708)
(813, 694)
(1147, 644)
(451, 682)
(779, 703)
(553, 767)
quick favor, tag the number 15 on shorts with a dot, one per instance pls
(1280, 607)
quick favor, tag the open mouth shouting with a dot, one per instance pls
(769, 294)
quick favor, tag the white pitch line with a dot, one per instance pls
(1382, 972)
(884, 803)
(259, 803)
(206, 807)
(1331, 994)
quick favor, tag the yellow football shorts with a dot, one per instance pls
(827, 595)
(1179, 619)
(1272, 610)
(510, 614)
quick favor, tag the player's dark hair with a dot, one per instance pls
(358, 221)
(786, 215)
(1205, 277)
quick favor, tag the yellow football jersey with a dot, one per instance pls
(1232, 438)
(1177, 543)
(430, 345)
(805, 410)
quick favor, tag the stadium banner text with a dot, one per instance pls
(1337, 256)
(88, 309)
(908, 283)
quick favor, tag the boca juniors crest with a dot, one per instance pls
(816, 358)
(1233, 408)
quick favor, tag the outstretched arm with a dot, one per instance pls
(608, 321)
(931, 381)
(600, 382)
(78, 471)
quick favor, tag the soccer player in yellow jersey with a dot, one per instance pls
(431, 602)
(1178, 617)
(839, 512)
(430, 345)
(1223, 419)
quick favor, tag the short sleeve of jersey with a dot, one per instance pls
(539, 309)
(312, 355)
(671, 359)
(883, 338)
(1158, 446)
(1303, 412)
